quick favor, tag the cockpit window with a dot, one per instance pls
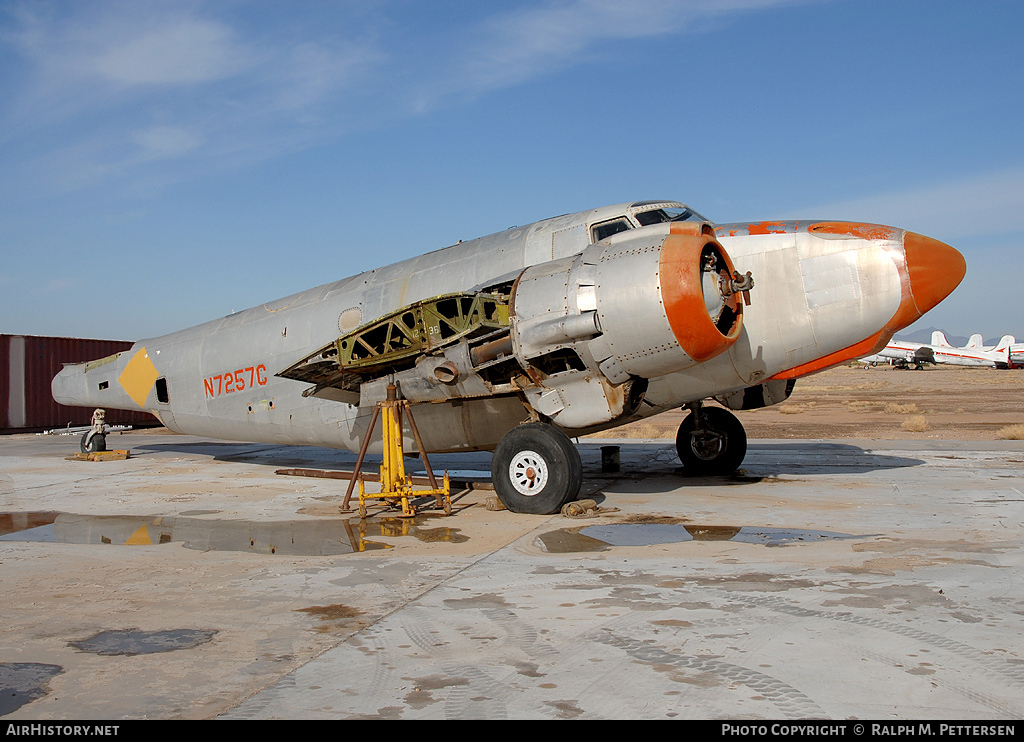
(669, 214)
(606, 229)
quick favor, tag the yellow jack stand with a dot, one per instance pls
(395, 487)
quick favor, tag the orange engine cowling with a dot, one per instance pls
(666, 303)
(633, 307)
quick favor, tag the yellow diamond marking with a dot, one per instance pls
(139, 538)
(138, 377)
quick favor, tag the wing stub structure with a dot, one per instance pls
(392, 344)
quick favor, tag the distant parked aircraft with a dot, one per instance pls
(975, 341)
(902, 354)
(942, 351)
(997, 356)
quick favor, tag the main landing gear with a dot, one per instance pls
(711, 441)
(536, 469)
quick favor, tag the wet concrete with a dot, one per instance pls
(23, 682)
(130, 642)
(889, 588)
(287, 538)
(599, 538)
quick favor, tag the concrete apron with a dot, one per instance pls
(827, 580)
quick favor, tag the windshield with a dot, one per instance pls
(669, 214)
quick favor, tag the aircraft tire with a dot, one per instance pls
(92, 443)
(536, 469)
(718, 450)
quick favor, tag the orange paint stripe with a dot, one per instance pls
(766, 228)
(865, 347)
(856, 229)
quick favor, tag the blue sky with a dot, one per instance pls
(165, 163)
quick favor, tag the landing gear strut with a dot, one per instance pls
(95, 439)
(536, 469)
(711, 441)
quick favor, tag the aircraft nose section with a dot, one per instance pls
(934, 268)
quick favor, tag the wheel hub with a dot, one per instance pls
(707, 444)
(528, 473)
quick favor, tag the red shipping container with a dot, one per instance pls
(28, 364)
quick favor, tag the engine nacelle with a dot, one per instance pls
(761, 395)
(631, 308)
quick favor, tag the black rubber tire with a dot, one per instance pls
(95, 444)
(720, 452)
(536, 469)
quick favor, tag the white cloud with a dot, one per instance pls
(515, 46)
(309, 72)
(98, 58)
(182, 51)
(191, 80)
(987, 204)
(171, 79)
(166, 141)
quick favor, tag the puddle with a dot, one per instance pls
(130, 642)
(24, 682)
(413, 527)
(602, 537)
(453, 474)
(320, 537)
(20, 522)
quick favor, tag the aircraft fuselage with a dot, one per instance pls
(595, 338)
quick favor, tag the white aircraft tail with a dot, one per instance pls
(976, 341)
(1005, 342)
(939, 339)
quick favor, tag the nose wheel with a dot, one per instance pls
(711, 442)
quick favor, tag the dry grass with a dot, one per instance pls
(638, 430)
(795, 408)
(895, 408)
(915, 424)
(818, 387)
(863, 405)
(1011, 433)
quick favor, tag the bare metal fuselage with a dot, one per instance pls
(824, 292)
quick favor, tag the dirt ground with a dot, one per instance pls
(943, 402)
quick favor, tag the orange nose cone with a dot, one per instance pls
(935, 269)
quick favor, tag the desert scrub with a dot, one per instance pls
(915, 424)
(795, 408)
(1011, 433)
(895, 408)
(864, 405)
(641, 430)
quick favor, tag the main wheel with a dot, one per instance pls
(92, 443)
(717, 448)
(536, 469)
